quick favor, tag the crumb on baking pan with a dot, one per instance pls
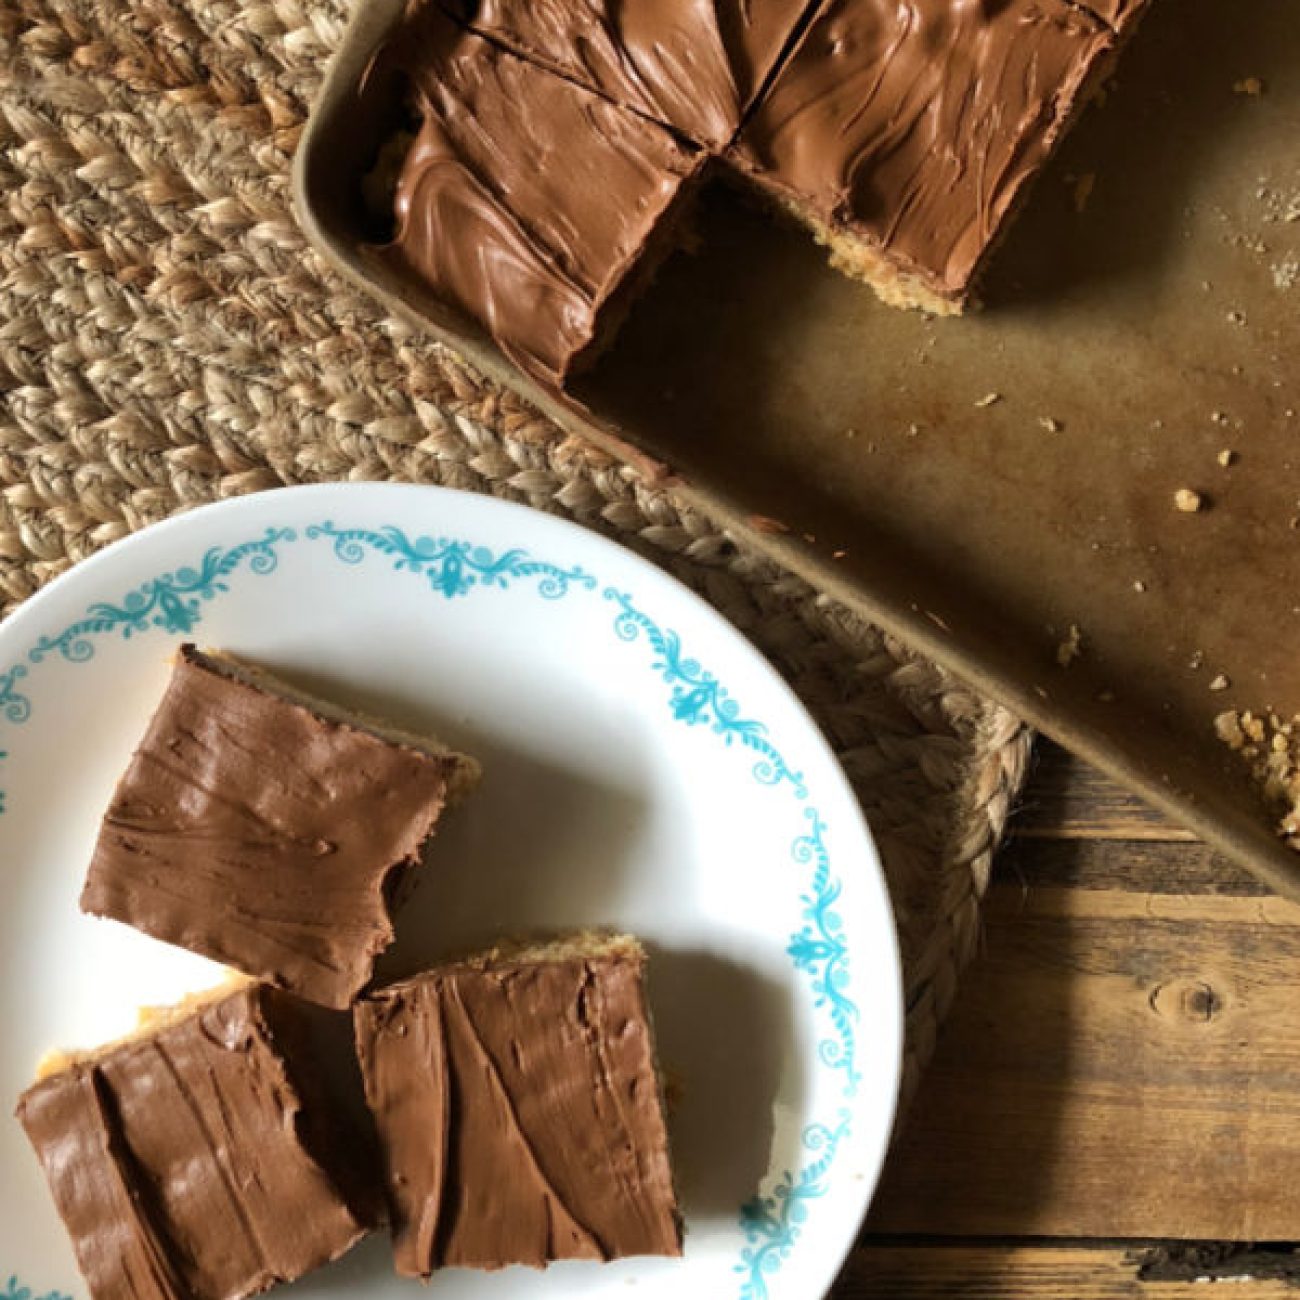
(1220, 682)
(1071, 647)
(1279, 206)
(1081, 188)
(1270, 745)
(1050, 423)
(1248, 86)
(1188, 501)
(1286, 273)
(989, 399)
(1226, 457)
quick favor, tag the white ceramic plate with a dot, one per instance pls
(645, 769)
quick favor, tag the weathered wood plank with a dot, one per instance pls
(1140, 866)
(1119, 1064)
(1021, 1271)
(1066, 798)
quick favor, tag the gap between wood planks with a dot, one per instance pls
(925, 1268)
(1067, 799)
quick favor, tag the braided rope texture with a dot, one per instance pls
(167, 338)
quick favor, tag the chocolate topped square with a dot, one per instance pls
(518, 1111)
(531, 204)
(695, 65)
(179, 1162)
(266, 831)
(904, 131)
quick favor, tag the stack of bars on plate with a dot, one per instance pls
(551, 146)
(500, 1109)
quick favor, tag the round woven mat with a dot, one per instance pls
(167, 338)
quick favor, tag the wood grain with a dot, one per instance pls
(1123, 1062)
(1067, 799)
(1136, 866)
(1022, 1271)
(1119, 1064)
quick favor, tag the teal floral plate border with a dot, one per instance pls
(458, 568)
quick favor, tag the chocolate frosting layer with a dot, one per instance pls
(1119, 14)
(525, 200)
(695, 65)
(176, 1163)
(916, 123)
(251, 830)
(518, 1109)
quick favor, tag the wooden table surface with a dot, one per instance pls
(1114, 1107)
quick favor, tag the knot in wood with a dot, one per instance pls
(1188, 1000)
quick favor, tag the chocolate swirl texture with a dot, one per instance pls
(695, 65)
(254, 831)
(915, 124)
(1118, 14)
(176, 1161)
(525, 201)
(518, 1109)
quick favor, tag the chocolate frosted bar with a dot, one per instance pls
(904, 133)
(179, 1159)
(529, 203)
(267, 830)
(519, 1112)
(695, 65)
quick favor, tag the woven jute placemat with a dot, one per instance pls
(167, 338)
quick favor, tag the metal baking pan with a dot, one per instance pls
(981, 485)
